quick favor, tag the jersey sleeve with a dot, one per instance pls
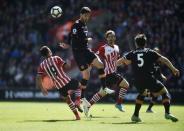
(128, 56)
(101, 52)
(40, 70)
(154, 55)
(60, 61)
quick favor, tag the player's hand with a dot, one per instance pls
(164, 77)
(89, 39)
(44, 91)
(176, 72)
(63, 45)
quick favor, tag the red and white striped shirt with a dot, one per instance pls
(109, 55)
(53, 67)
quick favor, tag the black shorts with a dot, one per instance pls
(83, 58)
(113, 79)
(153, 85)
(72, 85)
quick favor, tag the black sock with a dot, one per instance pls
(103, 82)
(166, 102)
(150, 105)
(167, 107)
(137, 108)
(139, 101)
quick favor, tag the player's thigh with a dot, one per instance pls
(81, 60)
(97, 63)
(72, 85)
(124, 83)
(86, 73)
(113, 79)
(140, 86)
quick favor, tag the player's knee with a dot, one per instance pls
(166, 96)
(84, 82)
(124, 84)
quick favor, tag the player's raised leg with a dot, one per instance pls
(72, 107)
(122, 92)
(99, 65)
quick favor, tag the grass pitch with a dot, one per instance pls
(30, 116)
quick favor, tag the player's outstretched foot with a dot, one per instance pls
(136, 119)
(108, 91)
(149, 111)
(86, 106)
(171, 117)
(120, 107)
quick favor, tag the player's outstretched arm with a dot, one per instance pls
(123, 61)
(39, 85)
(64, 45)
(167, 62)
(67, 64)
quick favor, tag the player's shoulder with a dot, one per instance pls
(77, 23)
(57, 58)
(116, 47)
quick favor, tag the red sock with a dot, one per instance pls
(95, 98)
(72, 106)
(122, 93)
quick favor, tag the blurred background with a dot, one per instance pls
(26, 25)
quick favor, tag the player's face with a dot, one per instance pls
(111, 38)
(50, 52)
(86, 17)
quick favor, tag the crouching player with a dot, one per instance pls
(109, 54)
(142, 60)
(52, 66)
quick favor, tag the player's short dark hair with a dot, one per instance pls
(85, 10)
(44, 51)
(140, 40)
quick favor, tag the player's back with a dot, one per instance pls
(79, 33)
(143, 60)
(53, 67)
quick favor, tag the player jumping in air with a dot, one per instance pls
(142, 60)
(109, 54)
(84, 57)
(52, 66)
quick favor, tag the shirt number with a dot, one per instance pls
(140, 59)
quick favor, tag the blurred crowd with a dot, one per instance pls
(26, 25)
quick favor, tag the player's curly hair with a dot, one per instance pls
(85, 10)
(140, 40)
(109, 32)
(44, 51)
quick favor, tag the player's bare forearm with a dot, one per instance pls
(39, 85)
(167, 62)
(64, 45)
(67, 64)
(164, 77)
(123, 61)
(38, 82)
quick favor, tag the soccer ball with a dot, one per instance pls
(56, 12)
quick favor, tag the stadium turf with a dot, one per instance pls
(30, 116)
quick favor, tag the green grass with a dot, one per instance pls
(30, 116)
